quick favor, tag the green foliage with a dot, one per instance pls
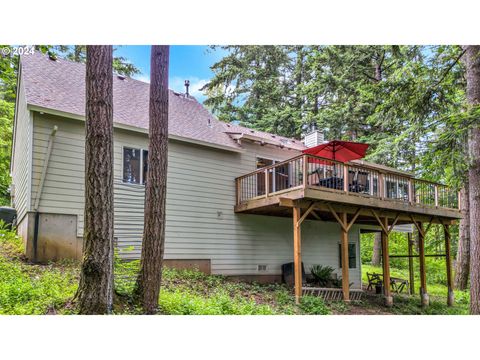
(11, 244)
(179, 302)
(38, 289)
(313, 305)
(78, 53)
(407, 102)
(6, 124)
(323, 276)
(27, 289)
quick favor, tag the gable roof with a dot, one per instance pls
(60, 85)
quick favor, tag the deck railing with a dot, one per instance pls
(354, 179)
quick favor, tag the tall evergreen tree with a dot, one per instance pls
(95, 291)
(472, 60)
(150, 276)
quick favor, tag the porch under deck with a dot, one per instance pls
(375, 197)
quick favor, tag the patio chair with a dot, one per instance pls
(374, 279)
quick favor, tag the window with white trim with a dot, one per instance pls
(135, 165)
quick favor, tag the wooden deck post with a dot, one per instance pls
(267, 183)
(345, 178)
(410, 264)
(305, 171)
(386, 265)
(423, 277)
(381, 186)
(411, 197)
(297, 254)
(345, 262)
(450, 297)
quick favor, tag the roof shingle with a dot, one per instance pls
(60, 85)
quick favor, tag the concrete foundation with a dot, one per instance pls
(56, 239)
(202, 265)
(424, 298)
(261, 279)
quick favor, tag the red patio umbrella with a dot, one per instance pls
(339, 150)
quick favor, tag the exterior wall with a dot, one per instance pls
(201, 223)
(22, 156)
(63, 188)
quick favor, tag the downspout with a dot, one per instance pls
(39, 191)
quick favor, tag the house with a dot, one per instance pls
(231, 191)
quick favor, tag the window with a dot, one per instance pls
(278, 177)
(352, 255)
(135, 165)
(145, 166)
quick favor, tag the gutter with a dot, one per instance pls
(137, 129)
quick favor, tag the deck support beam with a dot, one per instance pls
(345, 227)
(345, 262)
(425, 300)
(410, 264)
(386, 230)
(423, 278)
(386, 264)
(297, 253)
(450, 296)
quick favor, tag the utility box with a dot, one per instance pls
(9, 216)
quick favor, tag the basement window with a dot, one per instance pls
(134, 165)
(352, 256)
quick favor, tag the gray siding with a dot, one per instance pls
(201, 223)
(22, 155)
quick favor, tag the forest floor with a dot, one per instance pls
(27, 288)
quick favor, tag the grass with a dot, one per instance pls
(32, 289)
(27, 288)
(437, 292)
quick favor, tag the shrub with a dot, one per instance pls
(31, 289)
(11, 243)
(323, 276)
(313, 305)
(180, 302)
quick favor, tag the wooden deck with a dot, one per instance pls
(276, 189)
(310, 187)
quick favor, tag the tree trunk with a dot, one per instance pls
(472, 60)
(150, 275)
(377, 249)
(95, 292)
(462, 263)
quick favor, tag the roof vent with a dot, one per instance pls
(52, 56)
(121, 77)
(261, 267)
(187, 85)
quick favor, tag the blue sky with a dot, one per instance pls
(190, 62)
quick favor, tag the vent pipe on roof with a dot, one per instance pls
(187, 84)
